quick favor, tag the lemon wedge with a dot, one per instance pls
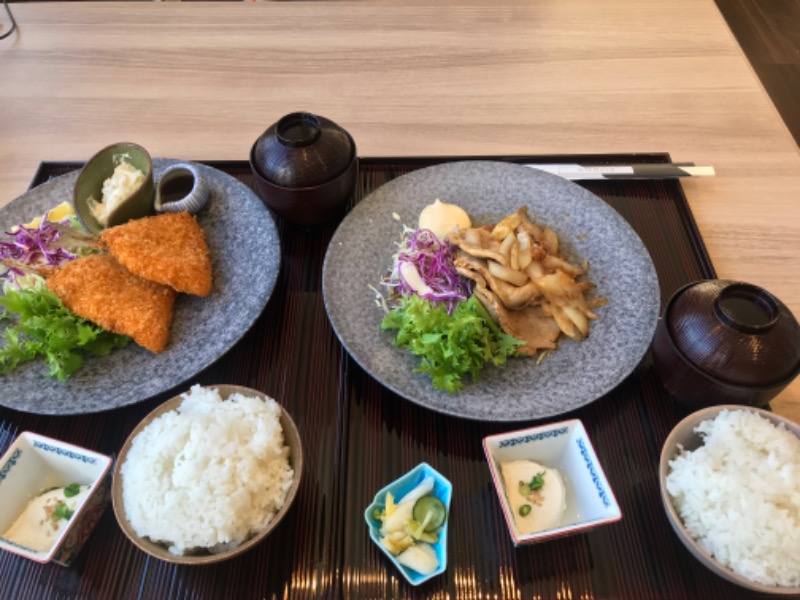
(59, 213)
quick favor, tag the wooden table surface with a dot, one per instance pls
(203, 80)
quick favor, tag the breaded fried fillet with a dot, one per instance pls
(169, 249)
(99, 289)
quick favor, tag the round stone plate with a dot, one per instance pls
(245, 253)
(578, 373)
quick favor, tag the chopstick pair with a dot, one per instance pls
(577, 172)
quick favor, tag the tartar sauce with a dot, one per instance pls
(42, 521)
(125, 180)
(534, 509)
(441, 218)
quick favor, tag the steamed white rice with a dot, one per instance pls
(210, 474)
(738, 496)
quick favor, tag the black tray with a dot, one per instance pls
(358, 436)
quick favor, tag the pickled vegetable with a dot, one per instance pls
(430, 512)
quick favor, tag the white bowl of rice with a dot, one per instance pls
(207, 475)
(730, 484)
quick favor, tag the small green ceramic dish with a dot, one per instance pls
(100, 167)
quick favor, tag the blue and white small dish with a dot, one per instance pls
(442, 489)
(34, 464)
(181, 187)
(563, 446)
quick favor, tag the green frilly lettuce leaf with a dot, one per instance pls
(38, 325)
(449, 346)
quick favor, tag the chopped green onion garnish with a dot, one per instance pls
(62, 512)
(73, 489)
(537, 482)
(525, 510)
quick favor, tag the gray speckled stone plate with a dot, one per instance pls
(576, 374)
(245, 252)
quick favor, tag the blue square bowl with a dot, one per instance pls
(442, 489)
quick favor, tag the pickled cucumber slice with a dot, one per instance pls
(430, 511)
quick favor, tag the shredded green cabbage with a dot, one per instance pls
(450, 346)
(44, 327)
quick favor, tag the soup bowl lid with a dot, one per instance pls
(736, 332)
(303, 150)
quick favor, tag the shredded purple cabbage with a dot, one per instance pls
(433, 260)
(33, 246)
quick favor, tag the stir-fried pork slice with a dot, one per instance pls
(524, 282)
(567, 303)
(99, 289)
(552, 263)
(511, 296)
(539, 332)
(478, 242)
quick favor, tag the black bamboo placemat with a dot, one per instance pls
(358, 436)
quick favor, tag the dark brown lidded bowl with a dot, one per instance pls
(305, 168)
(726, 342)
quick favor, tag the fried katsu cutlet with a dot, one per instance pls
(169, 248)
(99, 289)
